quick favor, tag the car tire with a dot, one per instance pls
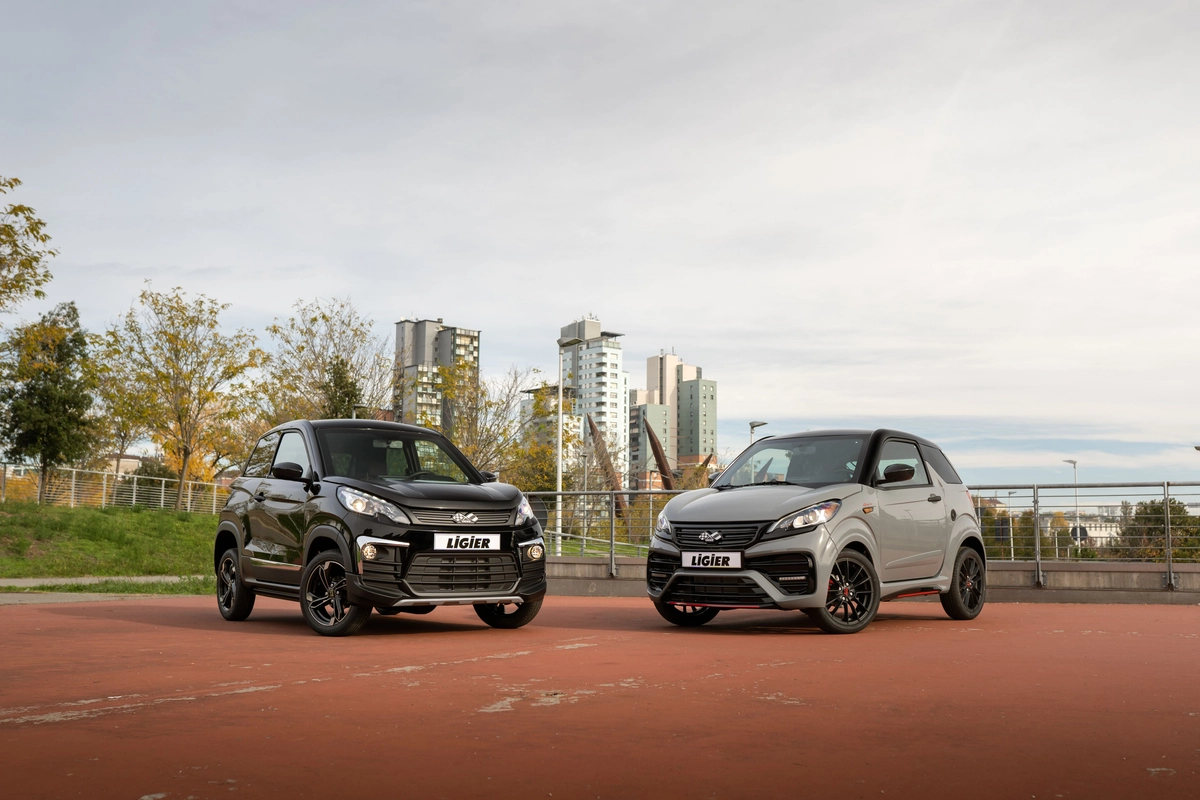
(968, 586)
(323, 598)
(234, 598)
(391, 611)
(494, 614)
(853, 596)
(686, 616)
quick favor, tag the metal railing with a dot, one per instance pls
(608, 524)
(81, 487)
(1155, 523)
(1067, 522)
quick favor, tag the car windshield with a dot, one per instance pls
(390, 456)
(799, 461)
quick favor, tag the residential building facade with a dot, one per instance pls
(422, 346)
(681, 406)
(594, 369)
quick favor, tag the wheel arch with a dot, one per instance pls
(227, 537)
(975, 543)
(325, 538)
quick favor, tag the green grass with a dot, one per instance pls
(189, 585)
(53, 541)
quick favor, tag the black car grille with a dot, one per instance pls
(791, 572)
(733, 537)
(435, 573)
(384, 575)
(445, 516)
(717, 590)
(659, 568)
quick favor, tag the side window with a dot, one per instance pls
(259, 463)
(902, 453)
(291, 448)
(940, 464)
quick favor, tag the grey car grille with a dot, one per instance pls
(440, 516)
(733, 536)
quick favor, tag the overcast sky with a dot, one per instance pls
(980, 221)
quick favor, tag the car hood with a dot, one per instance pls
(752, 503)
(469, 496)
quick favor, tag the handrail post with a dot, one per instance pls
(133, 501)
(1167, 525)
(4, 483)
(612, 534)
(162, 493)
(103, 488)
(1037, 542)
(73, 472)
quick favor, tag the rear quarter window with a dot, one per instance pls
(940, 464)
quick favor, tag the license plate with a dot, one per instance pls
(712, 560)
(466, 541)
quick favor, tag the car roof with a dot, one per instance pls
(370, 424)
(880, 433)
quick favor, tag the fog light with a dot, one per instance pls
(369, 552)
(536, 552)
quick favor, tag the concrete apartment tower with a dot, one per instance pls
(421, 347)
(681, 407)
(594, 370)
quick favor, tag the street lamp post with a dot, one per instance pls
(753, 425)
(1076, 532)
(563, 343)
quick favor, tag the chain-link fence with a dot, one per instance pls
(81, 487)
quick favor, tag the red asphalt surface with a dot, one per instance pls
(161, 698)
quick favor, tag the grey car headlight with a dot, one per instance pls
(662, 527)
(524, 512)
(370, 506)
(809, 517)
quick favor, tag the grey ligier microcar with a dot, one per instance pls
(830, 523)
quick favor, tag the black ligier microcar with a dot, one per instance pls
(349, 515)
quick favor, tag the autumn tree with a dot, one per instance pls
(46, 392)
(196, 375)
(483, 416)
(325, 352)
(123, 403)
(24, 251)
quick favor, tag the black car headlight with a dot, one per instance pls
(370, 506)
(662, 527)
(804, 520)
(524, 512)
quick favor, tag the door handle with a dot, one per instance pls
(934, 498)
(260, 498)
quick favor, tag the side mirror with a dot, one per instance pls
(898, 473)
(488, 477)
(287, 471)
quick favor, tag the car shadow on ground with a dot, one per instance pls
(274, 621)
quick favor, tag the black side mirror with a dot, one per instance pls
(898, 473)
(287, 471)
(488, 477)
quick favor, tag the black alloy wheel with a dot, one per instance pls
(968, 587)
(686, 616)
(509, 616)
(324, 601)
(853, 597)
(234, 599)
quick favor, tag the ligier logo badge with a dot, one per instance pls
(465, 519)
(466, 541)
(710, 537)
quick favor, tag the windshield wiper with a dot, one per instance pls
(759, 483)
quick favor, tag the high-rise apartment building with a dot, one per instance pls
(422, 346)
(594, 369)
(681, 406)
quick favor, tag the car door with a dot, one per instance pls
(250, 513)
(281, 517)
(912, 516)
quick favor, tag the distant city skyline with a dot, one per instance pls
(975, 221)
